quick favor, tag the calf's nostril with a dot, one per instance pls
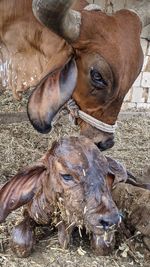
(104, 223)
(109, 221)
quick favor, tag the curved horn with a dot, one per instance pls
(57, 16)
(142, 8)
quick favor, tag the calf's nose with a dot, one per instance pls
(108, 221)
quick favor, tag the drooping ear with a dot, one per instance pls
(50, 95)
(20, 189)
(116, 172)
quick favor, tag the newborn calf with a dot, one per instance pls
(69, 187)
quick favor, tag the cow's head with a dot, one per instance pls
(108, 58)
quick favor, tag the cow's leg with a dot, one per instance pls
(23, 237)
(134, 202)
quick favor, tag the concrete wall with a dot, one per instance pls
(139, 94)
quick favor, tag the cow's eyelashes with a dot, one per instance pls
(97, 79)
(67, 177)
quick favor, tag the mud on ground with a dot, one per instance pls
(21, 145)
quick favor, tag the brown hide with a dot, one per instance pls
(30, 50)
(111, 46)
(69, 187)
(107, 53)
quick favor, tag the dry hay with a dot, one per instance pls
(21, 145)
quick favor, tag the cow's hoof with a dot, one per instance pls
(23, 239)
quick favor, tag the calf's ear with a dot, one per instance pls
(116, 172)
(20, 189)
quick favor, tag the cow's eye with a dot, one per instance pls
(97, 79)
(67, 177)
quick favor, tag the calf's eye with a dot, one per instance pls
(67, 177)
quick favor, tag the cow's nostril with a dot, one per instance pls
(104, 223)
(105, 145)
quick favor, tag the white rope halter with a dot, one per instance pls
(75, 113)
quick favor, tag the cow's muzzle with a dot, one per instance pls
(109, 143)
(102, 140)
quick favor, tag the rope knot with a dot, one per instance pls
(73, 111)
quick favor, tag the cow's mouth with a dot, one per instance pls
(101, 139)
(50, 95)
(109, 143)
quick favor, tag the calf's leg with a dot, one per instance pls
(23, 237)
(64, 234)
(134, 202)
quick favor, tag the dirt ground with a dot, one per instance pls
(21, 145)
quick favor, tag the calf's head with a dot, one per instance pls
(73, 178)
(80, 176)
(108, 57)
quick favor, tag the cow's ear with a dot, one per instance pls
(50, 95)
(116, 172)
(20, 189)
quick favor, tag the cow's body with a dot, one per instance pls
(107, 55)
(27, 47)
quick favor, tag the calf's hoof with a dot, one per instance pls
(146, 241)
(64, 235)
(23, 239)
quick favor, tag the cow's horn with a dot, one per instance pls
(142, 8)
(57, 16)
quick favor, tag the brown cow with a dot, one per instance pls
(104, 49)
(69, 187)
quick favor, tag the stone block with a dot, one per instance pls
(147, 66)
(128, 96)
(145, 63)
(128, 105)
(144, 44)
(143, 105)
(146, 32)
(137, 95)
(138, 80)
(148, 52)
(148, 100)
(146, 80)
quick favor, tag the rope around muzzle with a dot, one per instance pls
(75, 113)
